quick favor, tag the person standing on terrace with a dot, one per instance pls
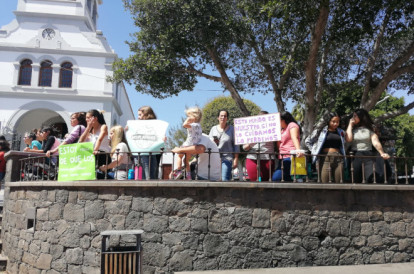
(31, 142)
(78, 122)
(4, 147)
(289, 142)
(119, 153)
(97, 133)
(330, 141)
(223, 135)
(266, 158)
(360, 133)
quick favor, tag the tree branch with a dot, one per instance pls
(226, 80)
(394, 113)
(270, 76)
(373, 58)
(393, 72)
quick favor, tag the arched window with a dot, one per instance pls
(66, 74)
(45, 76)
(25, 74)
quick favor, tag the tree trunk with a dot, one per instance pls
(310, 71)
(227, 82)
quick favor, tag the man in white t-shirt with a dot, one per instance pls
(204, 158)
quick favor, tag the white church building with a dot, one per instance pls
(54, 62)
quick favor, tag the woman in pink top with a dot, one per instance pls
(290, 141)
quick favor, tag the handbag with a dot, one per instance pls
(298, 165)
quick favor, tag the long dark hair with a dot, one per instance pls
(364, 119)
(288, 118)
(4, 145)
(50, 129)
(99, 115)
(81, 117)
(328, 117)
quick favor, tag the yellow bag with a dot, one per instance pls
(298, 163)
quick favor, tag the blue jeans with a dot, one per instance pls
(277, 175)
(226, 167)
(2, 175)
(145, 162)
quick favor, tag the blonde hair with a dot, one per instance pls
(148, 113)
(194, 112)
(118, 137)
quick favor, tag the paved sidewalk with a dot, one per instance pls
(402, 268)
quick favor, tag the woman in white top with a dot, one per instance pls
(119, 154)
(360, 133)
(97, 133)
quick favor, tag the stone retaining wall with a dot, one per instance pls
(194, 226)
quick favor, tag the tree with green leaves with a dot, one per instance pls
(212, 108)
(297, 50)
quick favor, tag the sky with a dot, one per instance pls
(117, 26)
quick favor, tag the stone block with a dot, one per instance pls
(333, 227)
(91, 270)
(374, 241)
(44, 261)
(398, 229)
(157, 224)
(117, 207)
(74, 213)
(215, 245)
(181, 261)
(220, 221)
(179, 224)
(377, 258)
(87, 195)
(56, 251)
(56, 212)
(410, 229)
(73, 197)
(91, 258)
(341, 242)
(156, 254)
(243, 217)
(74, 256)
(118, 222)
(199, 224)
(367, 229)
(51, 196)
(381, 228)
(358, 241)
(94, 210)
(351, 257)
(29, 259)
(392, 216)
(59, 265)
(261, 218)
(400, 257)
(62, 196)
(42, 214)
(375, 215)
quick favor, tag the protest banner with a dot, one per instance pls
(257, 129)
(76, 162)
(146, 135)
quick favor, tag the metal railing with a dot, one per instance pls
(395, 170)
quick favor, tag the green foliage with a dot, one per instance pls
(211, 109)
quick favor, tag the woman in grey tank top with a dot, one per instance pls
(360, 133)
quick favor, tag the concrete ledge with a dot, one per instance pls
(401, 268)
(208, 184)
